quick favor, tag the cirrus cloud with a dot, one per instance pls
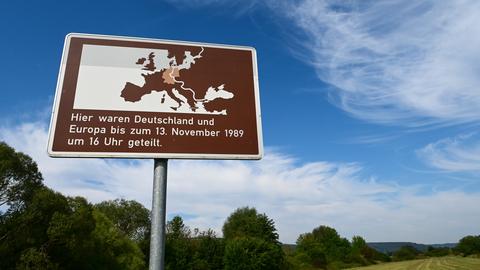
(412, 64)
(457, 154)
(396, 62)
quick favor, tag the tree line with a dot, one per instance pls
(467, 246)
(43, 229)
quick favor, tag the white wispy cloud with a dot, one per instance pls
(457, 154)
(408, 63)
(372, 139)
(234, 7)
(298, 196)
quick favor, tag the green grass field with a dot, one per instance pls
(442, 263)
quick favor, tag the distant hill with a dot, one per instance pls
(388, 247)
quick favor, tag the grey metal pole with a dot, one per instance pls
(159, 204)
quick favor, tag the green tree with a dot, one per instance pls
(27, 229)
(363, 254)
(358, 243)
(33, 258)
(246, 222)
(209, 251)
(251, 241)
(324, 240)
(309, 250)
(82, 232)
(19, 178)
(177, 229)
(69, 236)
(197, 251)
(469, 245)
(178, 247)
(54, 231)
(250, 253)
(125, 253)
(131, 218)
(359, 251)
(43, 229)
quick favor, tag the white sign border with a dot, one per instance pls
(58, 92)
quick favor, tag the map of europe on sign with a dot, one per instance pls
(148, 98)
(151, 80)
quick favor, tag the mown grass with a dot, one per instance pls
(441, 263)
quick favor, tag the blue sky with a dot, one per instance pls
(370, 111)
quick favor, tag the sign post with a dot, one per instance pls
(159, 203)
(123, 97)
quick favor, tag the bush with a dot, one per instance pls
(209, 251)
(249, 253)
(437, 252)
(405, 253)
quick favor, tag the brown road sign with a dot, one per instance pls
(145, 98)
